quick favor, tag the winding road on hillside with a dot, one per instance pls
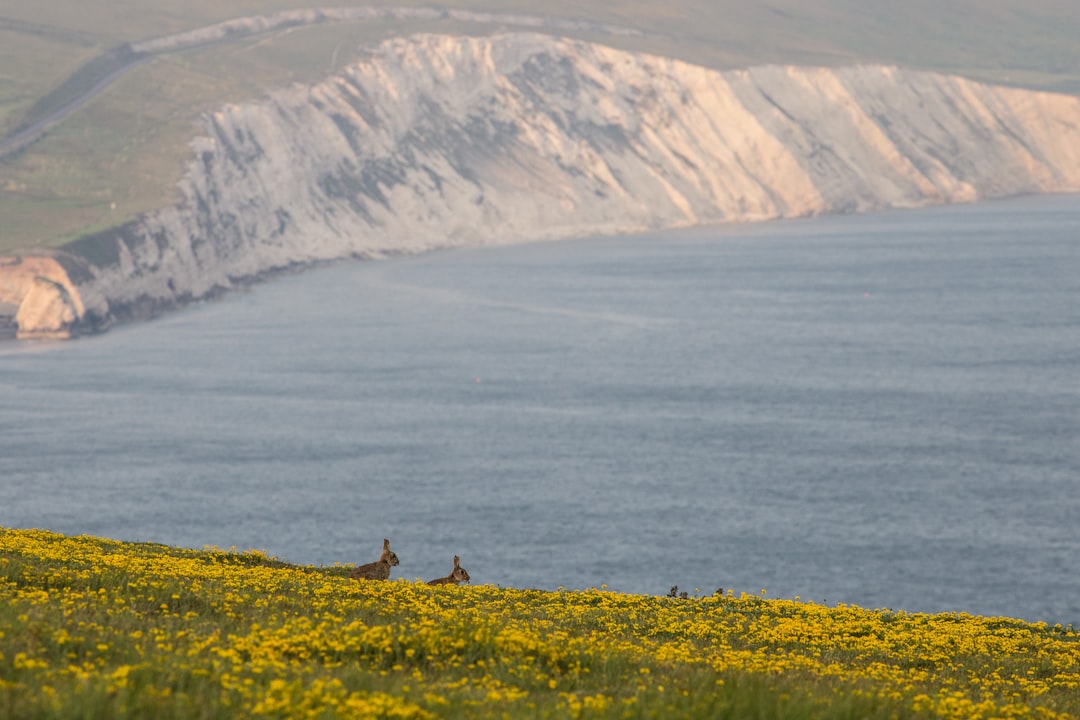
(31, 133)
(120, 61)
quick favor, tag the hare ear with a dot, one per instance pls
(386, 544)
(457, 561)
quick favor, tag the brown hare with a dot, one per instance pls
(457, 576)
(378, 570)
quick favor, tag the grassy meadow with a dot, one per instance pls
(122, 154)
(93, 628)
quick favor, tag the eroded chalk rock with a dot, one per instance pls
(49, 296)
(47, 311)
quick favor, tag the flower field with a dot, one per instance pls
(92, 628)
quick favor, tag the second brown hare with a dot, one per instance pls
(378, 570)
(457, 576)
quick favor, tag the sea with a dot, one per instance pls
(878, 410)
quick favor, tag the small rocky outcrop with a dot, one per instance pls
(49, 297)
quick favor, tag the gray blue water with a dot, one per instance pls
(881, 410)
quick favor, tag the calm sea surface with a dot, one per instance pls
(880, 410)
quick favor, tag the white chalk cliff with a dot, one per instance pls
(437, 141)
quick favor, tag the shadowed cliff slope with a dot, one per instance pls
(438, 141)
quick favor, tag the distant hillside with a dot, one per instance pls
(438, 141)
(122, 155)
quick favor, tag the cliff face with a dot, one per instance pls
(443, 141)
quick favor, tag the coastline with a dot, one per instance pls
(440, 142)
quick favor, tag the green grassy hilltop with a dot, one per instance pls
(122, 153)
(93, 628)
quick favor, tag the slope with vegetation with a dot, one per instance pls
(96, 628)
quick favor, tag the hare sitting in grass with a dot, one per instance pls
(378, 570)
(457, 576)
